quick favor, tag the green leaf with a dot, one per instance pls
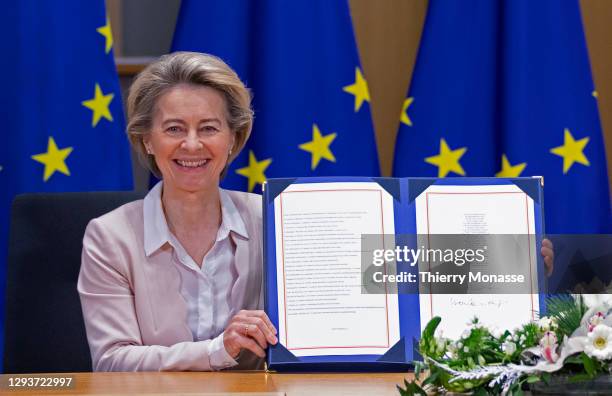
(417, 369)
(533, 379)
(427, 345)
(567, 311)
(412, 389)
(579, 377)
(430, 329)
(589, 365)
(574, 359)
(480, 392)
(546, 377)
(431, 379)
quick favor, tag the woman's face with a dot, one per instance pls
(190, 137)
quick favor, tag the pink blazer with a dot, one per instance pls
(135, 316)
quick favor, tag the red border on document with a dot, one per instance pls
(484, 193)
(285, 279)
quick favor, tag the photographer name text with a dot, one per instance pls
(436, 277)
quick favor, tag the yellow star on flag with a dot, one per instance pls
(359, 89)
(448, 160)
(255, 170)
(404, 118)
(108, 35)
(571, 151)
(99, 105)
(509, 170)
(319, 146)
(54, 159)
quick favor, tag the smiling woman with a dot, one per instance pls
(187, 70)
(174, 281)
(190, 138)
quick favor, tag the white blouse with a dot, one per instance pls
(206, 290)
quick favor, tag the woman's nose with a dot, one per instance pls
(192, 141)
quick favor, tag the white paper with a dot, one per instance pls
(496, 209)
(318, 251)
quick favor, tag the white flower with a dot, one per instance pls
(548, 346)
(459, 345)
(599, 314)
(548, 339)
(509, 347)
(466, 349)
(598, 303)
(496, 332)
(598, 343)
(452, 349)
(466, 333)
(547, 324)
(440, 344)
(596, 319)
(594, 300)
(522, 339)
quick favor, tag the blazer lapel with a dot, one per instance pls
(168, 308)
(245, 293)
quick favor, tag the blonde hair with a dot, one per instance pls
(187, 68)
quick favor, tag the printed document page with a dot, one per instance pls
(495, 209)
(322, 310)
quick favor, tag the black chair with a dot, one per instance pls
(44, 329)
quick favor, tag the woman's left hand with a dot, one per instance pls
(549, 256)
(250, 330)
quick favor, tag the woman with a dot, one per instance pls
(174, 281)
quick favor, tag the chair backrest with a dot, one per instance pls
(44, 329)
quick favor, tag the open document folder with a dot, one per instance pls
(318, 235)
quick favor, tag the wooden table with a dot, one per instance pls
(222, 383)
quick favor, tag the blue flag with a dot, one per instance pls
(63, 119)
(311, 99)
(504, 88)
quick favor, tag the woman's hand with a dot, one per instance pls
(250, 330)
(549, 256)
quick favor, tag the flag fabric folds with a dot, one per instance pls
(504, 88)
(63, 124)
(311, 99)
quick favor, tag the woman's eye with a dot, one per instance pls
(209, 129)
(173, 129)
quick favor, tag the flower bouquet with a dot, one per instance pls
(572, 344)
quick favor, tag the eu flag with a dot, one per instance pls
(311, 99)
(504, 88)
(63, 124)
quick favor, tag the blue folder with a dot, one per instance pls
(400, 356)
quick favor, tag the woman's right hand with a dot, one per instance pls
(250, 330)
